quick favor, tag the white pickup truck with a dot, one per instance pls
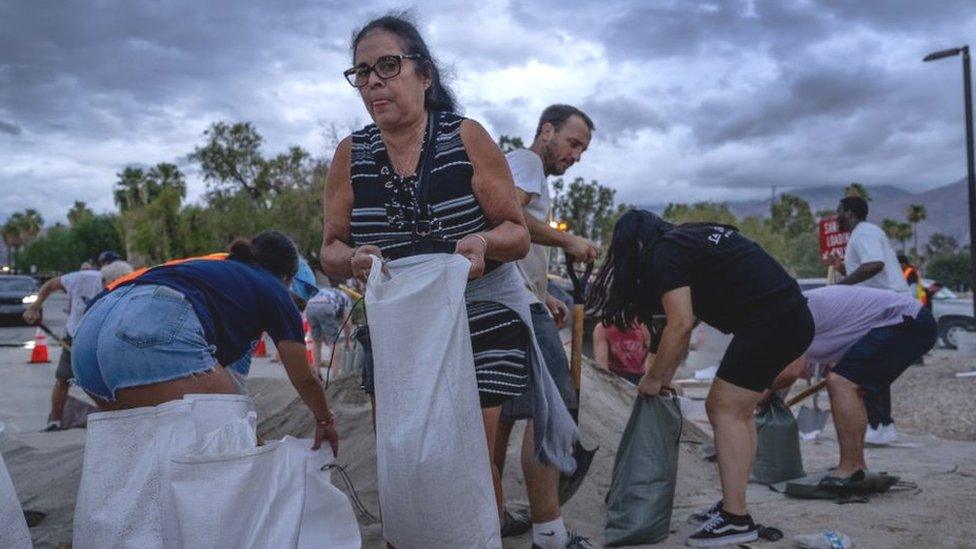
(953, 313)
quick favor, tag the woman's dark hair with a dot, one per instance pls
(619, 294)
(271, 249)
(438, 97)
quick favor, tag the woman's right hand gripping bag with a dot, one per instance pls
(644, 473)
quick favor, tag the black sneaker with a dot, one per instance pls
(723, 529)
(516, 523)
(575, 541)
(701, 517)
(52, 426)
(838, 484)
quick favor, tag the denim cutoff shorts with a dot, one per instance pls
(139, 335)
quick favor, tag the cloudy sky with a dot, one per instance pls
(713, 100)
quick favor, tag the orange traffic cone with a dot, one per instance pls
(261, 350)
(39, 352)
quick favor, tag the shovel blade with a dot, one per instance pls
(810, 420)
(569, 484)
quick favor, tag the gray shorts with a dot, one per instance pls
(323, 322)
(64, 373)
(553, 352)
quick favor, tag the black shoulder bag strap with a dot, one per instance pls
(422, 241)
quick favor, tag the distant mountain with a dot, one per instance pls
(946, 206)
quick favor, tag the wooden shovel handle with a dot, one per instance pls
(807, 392)
(576, 355)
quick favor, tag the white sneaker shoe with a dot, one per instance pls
(875, 436)
(889, 433)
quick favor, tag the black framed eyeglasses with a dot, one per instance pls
(386, 67)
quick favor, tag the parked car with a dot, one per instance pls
(953, 313)
(16, 293)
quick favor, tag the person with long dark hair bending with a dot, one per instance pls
(712, 272)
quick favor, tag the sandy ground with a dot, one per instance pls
(934, 410)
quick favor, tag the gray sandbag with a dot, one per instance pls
(778, 456)
(644, 472)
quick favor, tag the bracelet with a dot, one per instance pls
(484, 240)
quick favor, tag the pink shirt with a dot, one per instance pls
(627, 350)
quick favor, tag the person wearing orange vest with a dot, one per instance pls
(172, 330)
(914, 279)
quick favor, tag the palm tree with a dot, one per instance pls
(78, 212)
(130, 190)
(31, 225)
(890, 227)
(903, 233)
(163, 176)
(916, 214)
(856, 189)
(11, 236)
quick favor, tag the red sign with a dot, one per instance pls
(833, 241)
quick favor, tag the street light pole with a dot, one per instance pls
(971, 170)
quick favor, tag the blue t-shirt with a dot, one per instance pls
(234, 301)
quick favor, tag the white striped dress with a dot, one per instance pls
(383, 214)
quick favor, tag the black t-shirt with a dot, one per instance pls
(734, 282)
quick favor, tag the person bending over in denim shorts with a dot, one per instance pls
(171, 330)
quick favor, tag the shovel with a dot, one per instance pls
(811, 420)
(569, 484)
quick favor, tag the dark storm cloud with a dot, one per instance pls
(619, 117)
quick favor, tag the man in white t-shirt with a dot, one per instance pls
(81, 287)
(562, 135)
(870, 261)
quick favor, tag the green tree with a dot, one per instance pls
(508, 143)
(791, 215)
(699, 211)
(79, 212)
(96, 234)
(588, 208)
(941, 244)
(56, 251)
(149, 202)
(916, 214)
(951, 270)
(856, 189)
(903, 233)
(20, 230)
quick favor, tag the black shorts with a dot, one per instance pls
(758, 353)
(878, 358)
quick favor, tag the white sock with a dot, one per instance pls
(550, 535)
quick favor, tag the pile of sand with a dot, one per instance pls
(46, 467)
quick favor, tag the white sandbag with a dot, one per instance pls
(433, 469)
(271, 496)
(123, 498)
(13, 528)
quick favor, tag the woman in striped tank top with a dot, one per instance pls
(371, 197)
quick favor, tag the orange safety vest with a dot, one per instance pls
(919, 286)
(139, 272)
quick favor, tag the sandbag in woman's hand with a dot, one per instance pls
(362, 261)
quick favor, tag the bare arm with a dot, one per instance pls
(33, 312)
(674, 340)
(601, 351)
(339, 259)
(541, 233)
(296, 366)
(508, 238)
(862, 273)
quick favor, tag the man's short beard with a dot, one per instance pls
(549, 160)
